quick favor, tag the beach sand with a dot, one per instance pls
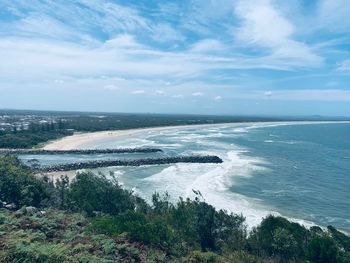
(78, 140)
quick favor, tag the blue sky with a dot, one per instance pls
(247, 57)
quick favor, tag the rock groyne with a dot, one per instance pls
(135, 162)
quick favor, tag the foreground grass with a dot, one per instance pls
(59, 236)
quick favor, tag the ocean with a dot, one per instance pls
(297, 170)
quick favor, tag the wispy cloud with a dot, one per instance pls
(264, 25)
(308, 95)
(344, 65)
(334, 15)
(238, 49)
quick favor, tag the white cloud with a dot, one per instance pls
(264, 25)
(83, 40)
(344, 65)
(208, 45)
(197, 94)
(309, 95)
(164, 33)
(126, 41)
(104, 16)
(334, 15)
(140, 91)
(268, 93)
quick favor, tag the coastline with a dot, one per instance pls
(78, 140)
(89, 139)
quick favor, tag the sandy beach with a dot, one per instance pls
(78, 140)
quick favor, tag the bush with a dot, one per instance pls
(138, 227)
(201, 226)
(322, 249)
(276, 236)
(341, 239)
(95, 193)
(105, 225)
(18, 184)
(187, 231)
(205, 257)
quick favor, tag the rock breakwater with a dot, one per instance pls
(135, 162)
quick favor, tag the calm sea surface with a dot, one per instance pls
(301, 171)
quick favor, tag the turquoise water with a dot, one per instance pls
(301, 171)
(308, 172)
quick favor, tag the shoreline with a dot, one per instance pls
(79, 139)
(253, 125)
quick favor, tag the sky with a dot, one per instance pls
(236, 57)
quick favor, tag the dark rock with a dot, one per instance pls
(136, 162)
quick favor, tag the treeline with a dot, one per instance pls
(93, 219)
(131, 121)
(34, 135)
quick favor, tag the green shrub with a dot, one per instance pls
(322, 249)
(95, 193)
(151, 231)
(201, 226)
(276, 236)
(205, 257)
(105, 225)
(2, 219)
(341, 239)
(18, 185)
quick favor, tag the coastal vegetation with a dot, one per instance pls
(33, 136)
(93, 219)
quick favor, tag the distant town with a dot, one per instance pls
(22, 122)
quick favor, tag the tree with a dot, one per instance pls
(62, 185)
(322, 249)
(276, 236)
(18, 184)
(95, 193)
